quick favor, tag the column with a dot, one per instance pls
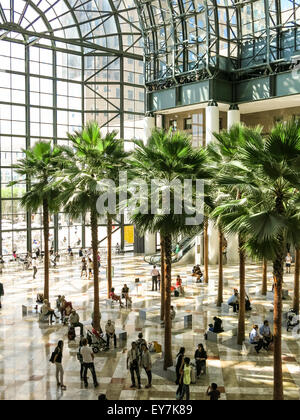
(150, 243)
(233, 116)
(212, 119)
(212, 126)
(149, 125)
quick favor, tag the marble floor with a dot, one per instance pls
(26, 344)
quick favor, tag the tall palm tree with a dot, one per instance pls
(96, 158)
(167, 157)
(268, 177)
(265, 278)
(40, 166)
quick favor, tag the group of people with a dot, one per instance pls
(261, 337)
(196, 272)
(184, 373)
(124, 295)
(234, 301)
(87, 264)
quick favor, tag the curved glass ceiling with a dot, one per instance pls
(100, 25)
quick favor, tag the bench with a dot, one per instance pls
(171, 372)
(26, 310)
(285, 294)
(143, 312)
(187, 319)
(226, 309)
(248, 348)
(199, 300)
(218, 337)
(121, 334)
(248, 287)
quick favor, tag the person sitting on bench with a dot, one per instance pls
(234, 301)
(47, 311)
(198, 273)
(265, 332)
(115, 297)
(179, 285)
(218, 325)
(74, 321)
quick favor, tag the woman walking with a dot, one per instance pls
(83, 267)
(58, 363)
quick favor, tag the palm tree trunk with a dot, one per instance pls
(94, 227)
(162, 280)
(46, 245)
(205, 235)
(168, 360)
(264, 280)
(241, 323)
(220, 283)
(296, 282)
(109, 268)
(278, 280)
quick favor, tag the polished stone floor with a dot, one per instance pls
(26, 345)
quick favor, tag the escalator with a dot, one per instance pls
(186, 253)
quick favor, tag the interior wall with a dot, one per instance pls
(268, 118)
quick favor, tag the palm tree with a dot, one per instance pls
(167, 157)
(264, 278)
(268, 177)
(96, 158)
(40, 166)
(296, 282)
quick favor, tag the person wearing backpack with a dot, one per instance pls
(56, 358)
(186, 379)
(1, 293)
(140, 341)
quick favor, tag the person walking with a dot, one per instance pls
(34, 267)
(133, 365)
(288, 262)
(213, 392)
(88, 363)
(58, 363)
(154, 275)
(83, 267)
(1, 293)
(186, 379)
(179, 364)
(147, 364)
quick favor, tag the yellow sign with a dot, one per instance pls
(129, 234)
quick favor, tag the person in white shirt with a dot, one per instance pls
(234, 301)
(110, 333)
(154, 275)
(256, 339)
(34, 266)
(88, 363)
(288, 262)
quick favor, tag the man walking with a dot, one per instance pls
(88, 363)
(154, 275)
(34, 266)
(1, 293)
(133, 365)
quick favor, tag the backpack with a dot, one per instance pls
(79, 356)
(71, 334)
(176, 293)
(51, 360)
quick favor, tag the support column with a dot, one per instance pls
(149, 125)
(233, 116)
(212, 126)
(212, 115)
(150, 243)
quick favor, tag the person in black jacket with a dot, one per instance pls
(218, 328)
(1, 293)
(200, 358)
(179, 364)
